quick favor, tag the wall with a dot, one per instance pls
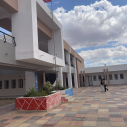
(112, 82)
(12, 91)
(10, 72)
(29, 80)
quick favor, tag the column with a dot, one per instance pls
(64, 80)
(108, 77)
(43, 78)
(75, 74)
(31, 80)
(69, 70)
(60, 76)
(104, 74)
(78, 74)
(81, 79)
(84, 78)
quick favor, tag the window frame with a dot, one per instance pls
(1, 84)
(93, 78)
(19, 83)
(99, 78)
(120, 76)
(6, 84)
(109, 77)
(117, 76)
(12, 84)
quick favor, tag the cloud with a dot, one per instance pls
(101, 56)
(94, 25)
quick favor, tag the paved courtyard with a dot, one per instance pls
(91, 108)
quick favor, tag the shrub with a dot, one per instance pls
(33, 93)
(48, 88)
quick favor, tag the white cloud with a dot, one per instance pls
(94, 25)
(101, 56)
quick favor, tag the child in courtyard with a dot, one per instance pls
(102, 87)
(105, 84)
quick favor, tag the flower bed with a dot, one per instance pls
(38, 103)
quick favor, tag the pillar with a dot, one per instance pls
(75, 74)
(60, 76)
(43, 78)
(84, 78)
(81, 79)
(108, 77)
(31, 80)
(64, 80)
(104, 74)
(69, 70)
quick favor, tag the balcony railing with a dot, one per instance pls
(66, 63)
(7, 38)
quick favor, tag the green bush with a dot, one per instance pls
(33, 93)
(48, 88)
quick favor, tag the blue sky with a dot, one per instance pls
(69, 4)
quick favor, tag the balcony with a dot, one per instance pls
(7, 38)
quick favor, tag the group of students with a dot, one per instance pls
(103, 84)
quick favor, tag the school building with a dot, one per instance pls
(27, 54)
(115, 75)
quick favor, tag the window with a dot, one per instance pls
(79, 60)
(99, 76)
(116, 76)
(104, 76)
(0, 84)
(121, 76)
(110, 76)
(6, 84)
(20, 83)
(94, 78)
(13, 83)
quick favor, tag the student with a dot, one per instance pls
(102, 87)
(105, 84)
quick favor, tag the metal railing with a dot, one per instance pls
(7, 38)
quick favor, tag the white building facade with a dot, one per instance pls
(115, 75)
(27, 57)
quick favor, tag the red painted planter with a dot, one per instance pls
(38, 103)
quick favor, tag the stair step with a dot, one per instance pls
(71, 99)
(66, 95)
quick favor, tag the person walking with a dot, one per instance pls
(105, 84)
(102, 87)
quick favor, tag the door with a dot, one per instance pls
(90, 81)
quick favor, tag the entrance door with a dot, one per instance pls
(90, 81)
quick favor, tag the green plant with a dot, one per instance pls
(33, 93)
(48, 88)
(58, 85)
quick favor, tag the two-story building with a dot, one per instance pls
(27, 53)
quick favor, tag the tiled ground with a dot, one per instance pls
(91, 108)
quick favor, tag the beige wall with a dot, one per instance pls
(44, 30)
(9, 5)
(6, 24)
(67, 47)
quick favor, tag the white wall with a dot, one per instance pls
(112, 82)
(12, 91)
(29, 80)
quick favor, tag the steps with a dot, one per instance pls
(67, 98)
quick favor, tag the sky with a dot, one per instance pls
(96, 29)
